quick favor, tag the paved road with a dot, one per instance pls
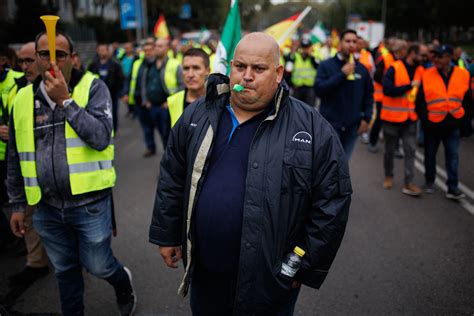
(400, 255)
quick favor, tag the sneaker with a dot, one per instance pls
(455, 194)
(388, 183)
(372, 148)
(149, 153)
(412, 190)
(429, 188)
(364, 138)
(28, 276)
(128, 302)
(399, 153)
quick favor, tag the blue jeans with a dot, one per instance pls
(161, 119)
(75, 238)
(348, 137)
(450, 139)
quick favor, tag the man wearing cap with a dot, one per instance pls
(304, 73)
(444, 105)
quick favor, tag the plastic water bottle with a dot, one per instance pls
(292, 263)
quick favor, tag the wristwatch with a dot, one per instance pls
(67, 102)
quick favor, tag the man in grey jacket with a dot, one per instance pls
(61, 159)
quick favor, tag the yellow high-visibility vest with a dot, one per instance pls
(303, 73)
(6, 87)
(176, 106)
(89, 169)
(133, 80)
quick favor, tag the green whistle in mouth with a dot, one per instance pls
(238, 88)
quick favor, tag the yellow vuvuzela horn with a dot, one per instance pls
(351, 75)
(50, 23)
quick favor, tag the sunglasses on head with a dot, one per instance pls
(60, 55)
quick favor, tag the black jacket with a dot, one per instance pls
(298, 192)
(114, 79)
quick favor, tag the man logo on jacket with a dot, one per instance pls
(236, 194)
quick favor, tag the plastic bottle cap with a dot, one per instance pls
(300, 252)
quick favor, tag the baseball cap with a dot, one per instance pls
(305, 42)
(443, 49)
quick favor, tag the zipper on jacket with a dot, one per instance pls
(52, 158)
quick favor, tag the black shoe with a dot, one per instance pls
(429, 188)
(455, 194)
(127, 302)
(28, 276)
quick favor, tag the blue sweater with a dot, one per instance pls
(344, 102)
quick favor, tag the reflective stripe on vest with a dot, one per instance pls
(176, 106)
(441, 100)
(89, 170)
(400, 109)
(303, 73)
(388, 60)
(133, 80)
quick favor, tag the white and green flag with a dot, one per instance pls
(229, 38)
(318, 33)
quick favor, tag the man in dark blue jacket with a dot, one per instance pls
(245, 178)
(346, 104)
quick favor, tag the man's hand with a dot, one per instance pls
(171, 255)
(125, 99)
(56, 87)
(164, 105)
(17, 224)
(348, 68)
(148, 104)
(363, 128)
(4, 132)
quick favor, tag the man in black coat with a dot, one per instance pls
(110, 71)
(247, 176)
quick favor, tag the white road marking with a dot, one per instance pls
(442, 173)
(463, 202)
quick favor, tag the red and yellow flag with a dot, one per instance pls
(279, 29)
(161, 29)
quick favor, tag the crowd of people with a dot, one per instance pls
(59, 120)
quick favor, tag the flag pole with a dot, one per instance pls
(294, 25)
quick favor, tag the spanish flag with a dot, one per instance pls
(278, 30)
(161, 30)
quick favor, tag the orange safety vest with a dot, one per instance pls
(440, 100)
(399, 109)
(378, 88)
(364, 59)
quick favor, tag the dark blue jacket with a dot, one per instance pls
(297, 192)
(344, 102)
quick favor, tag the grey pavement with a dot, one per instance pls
(400, 255)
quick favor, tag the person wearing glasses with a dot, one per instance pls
(36, 258)
(61, 160)
(444, 105)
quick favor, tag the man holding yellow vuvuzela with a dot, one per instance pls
(61, 159)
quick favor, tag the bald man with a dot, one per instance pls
(248, 175)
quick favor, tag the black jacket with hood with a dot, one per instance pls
(298, 193)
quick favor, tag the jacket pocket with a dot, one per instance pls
(297, 171)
